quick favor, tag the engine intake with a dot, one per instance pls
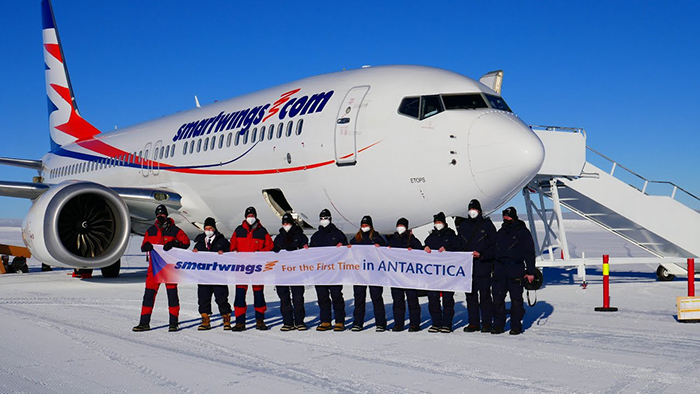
(78, 224)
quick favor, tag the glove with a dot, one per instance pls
(147, 247)
(276, 249)
(170, 245)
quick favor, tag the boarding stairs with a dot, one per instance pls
(657, 216)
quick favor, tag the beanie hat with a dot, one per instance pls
(475, 204)
(511, 213)
(251, 211)
(325, 214)
(402, 222)
(161, 210)
(440, 217)
(366, 220)
(210, 222)
(287, 218)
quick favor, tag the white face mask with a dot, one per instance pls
(439, 226)
(473, 213)
(287, 227)
(324, 222)
(401, 230)
(208, 233)
(251, 220)
(364, 229)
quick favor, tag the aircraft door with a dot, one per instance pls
(145, 164)
(346, 127)
(155, 163)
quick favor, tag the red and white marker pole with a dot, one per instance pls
(691, 277)
(606, 287)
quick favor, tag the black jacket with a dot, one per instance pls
(328, 236)
(405, 240)
(366, 240)
(514, 245)
(446, 238)
(292, 240)
(479, 235)
(220, 243)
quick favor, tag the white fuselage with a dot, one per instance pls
(357, 155)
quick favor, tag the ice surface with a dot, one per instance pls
(63, 335)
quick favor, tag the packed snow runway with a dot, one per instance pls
(62, 335)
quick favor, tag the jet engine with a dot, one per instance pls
(77, 224)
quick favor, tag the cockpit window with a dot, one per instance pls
(410, 106)
(430, 105)
(498, 103)
(463, 101)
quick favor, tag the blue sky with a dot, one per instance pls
(625, 71)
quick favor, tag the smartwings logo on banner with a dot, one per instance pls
(249, 269)
(286, 107)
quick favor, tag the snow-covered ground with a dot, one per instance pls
(62, 335)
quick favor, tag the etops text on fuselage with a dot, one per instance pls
(286, 107)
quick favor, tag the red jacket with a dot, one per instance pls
(247, 239)
(159, 236)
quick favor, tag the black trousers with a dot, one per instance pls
(400, 297)
(325, 294)
(292, 304)
(507, 278)
(480, 301)
(220, 292)
(375, 293)
(441, 315)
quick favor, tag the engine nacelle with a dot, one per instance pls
(77, 224)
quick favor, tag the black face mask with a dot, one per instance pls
(508, 222)
(162, 220)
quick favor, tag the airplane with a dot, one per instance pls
(388, 141)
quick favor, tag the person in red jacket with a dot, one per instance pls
(163, 232)
(250, 236)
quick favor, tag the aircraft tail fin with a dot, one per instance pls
(65, 123)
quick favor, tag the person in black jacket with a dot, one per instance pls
(367, 236)
(443, 239)
(515, 262)
(479, 237)
(329, 235)
(403, 238)
(291, 237)
(212, 241)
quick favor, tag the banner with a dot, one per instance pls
(359, 265)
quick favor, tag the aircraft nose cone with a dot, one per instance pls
(504, 154)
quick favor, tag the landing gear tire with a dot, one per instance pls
(112, 271)
(663, 275)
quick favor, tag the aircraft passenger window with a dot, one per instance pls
(184, 148)
(463, 101)
(172, 150)
(409, 106)
(271, 132)
(300, 123)
(167, 151)
(228, 140)
(191, 147)
(430, 105)
(262, 134)
(140, 154)
(161, 152)
(213, 143)
(498, 102)
(206, 145)
(199, 145)
(245, 136)
(280, 130)
(255, 135)
(289, 128)
(221, 141)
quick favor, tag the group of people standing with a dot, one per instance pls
(503, 261)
